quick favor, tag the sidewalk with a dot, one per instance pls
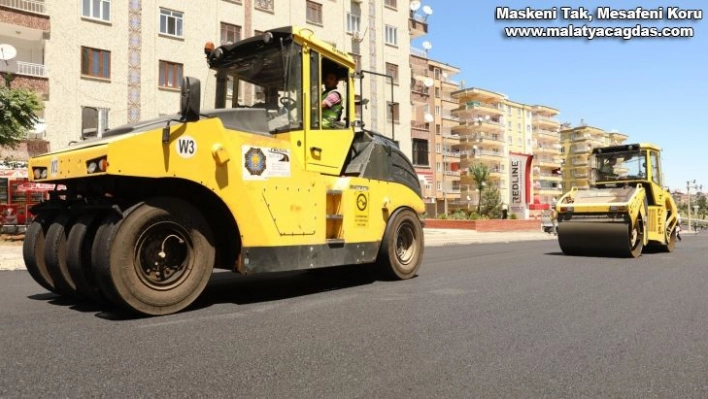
(11, 254)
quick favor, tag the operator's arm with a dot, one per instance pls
(331, 99)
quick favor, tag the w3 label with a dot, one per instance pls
(186, 146)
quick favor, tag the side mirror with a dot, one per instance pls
(190, 99)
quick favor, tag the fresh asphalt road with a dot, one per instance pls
(489, 320)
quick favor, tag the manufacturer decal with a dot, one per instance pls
(260, 163)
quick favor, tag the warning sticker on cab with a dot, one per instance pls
(361, 210)
(261, 163)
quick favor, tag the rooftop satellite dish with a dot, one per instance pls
(427, 45)
(428, 82)
(415, 5)
(7, 52)
(429, 118)
(427, 10)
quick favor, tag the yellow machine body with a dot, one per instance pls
(626, 208)
(277, 190)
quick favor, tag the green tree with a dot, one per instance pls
(480, 174)
(491, 203)
(702, 205)
(18, 114)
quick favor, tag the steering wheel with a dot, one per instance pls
(288, 103)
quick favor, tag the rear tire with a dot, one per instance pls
(33, 251)
(401, 251)
(157, 259)
(55, 255)
(78, 257)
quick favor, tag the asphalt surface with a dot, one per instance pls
(514, 319)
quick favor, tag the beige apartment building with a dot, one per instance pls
(102, 63)
(519, 143)
(436, 155)
(578, 143)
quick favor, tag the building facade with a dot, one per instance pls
(519, 143)
(103, 63)
(577, 145)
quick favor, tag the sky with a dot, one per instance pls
(651, 89)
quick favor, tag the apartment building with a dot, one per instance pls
(436, 155)
(102, 63)
(577, 144)
(519, 143)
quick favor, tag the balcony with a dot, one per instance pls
(25, 69)
(449, 116)
(452, 154)
(542, 110)
(497, 140)
(417, 26)
(584, 148)
(451, 138)
(546, 150)
(480, 125)
(546, 134)
(476, 94)
(476, 108)
(543, 121)
(546, 161)
(31, 6)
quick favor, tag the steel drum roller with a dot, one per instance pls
(598, 239)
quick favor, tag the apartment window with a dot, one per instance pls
(436, 73)
(437, 166)
(314, 13)
(97, 9)
(420, 152)
(437, 110)
(390, 3)
(93, 120)
(391, 35)
(393, 111)
(266, 5)
(170, 75)
(439, 184)
(426, 108)
(437, 148)
(437, 129)
(437, 92)
(171, 22)
(353, 23)
(392, 70)
(96, 63)
(230, 33)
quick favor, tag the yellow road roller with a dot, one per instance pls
(266, 181)
(625, 209)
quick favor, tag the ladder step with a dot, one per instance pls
(335, 217)
(335, 241)
(334, 192)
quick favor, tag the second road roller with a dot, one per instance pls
(625, 209)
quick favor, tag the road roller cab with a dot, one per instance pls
(626, 208)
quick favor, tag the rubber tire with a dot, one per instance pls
(114, 257)
(389, 263)
(78, 258)
(33, 250)
(55, 251)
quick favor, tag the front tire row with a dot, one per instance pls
(157, 256)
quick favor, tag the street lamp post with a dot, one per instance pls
(690, 185)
